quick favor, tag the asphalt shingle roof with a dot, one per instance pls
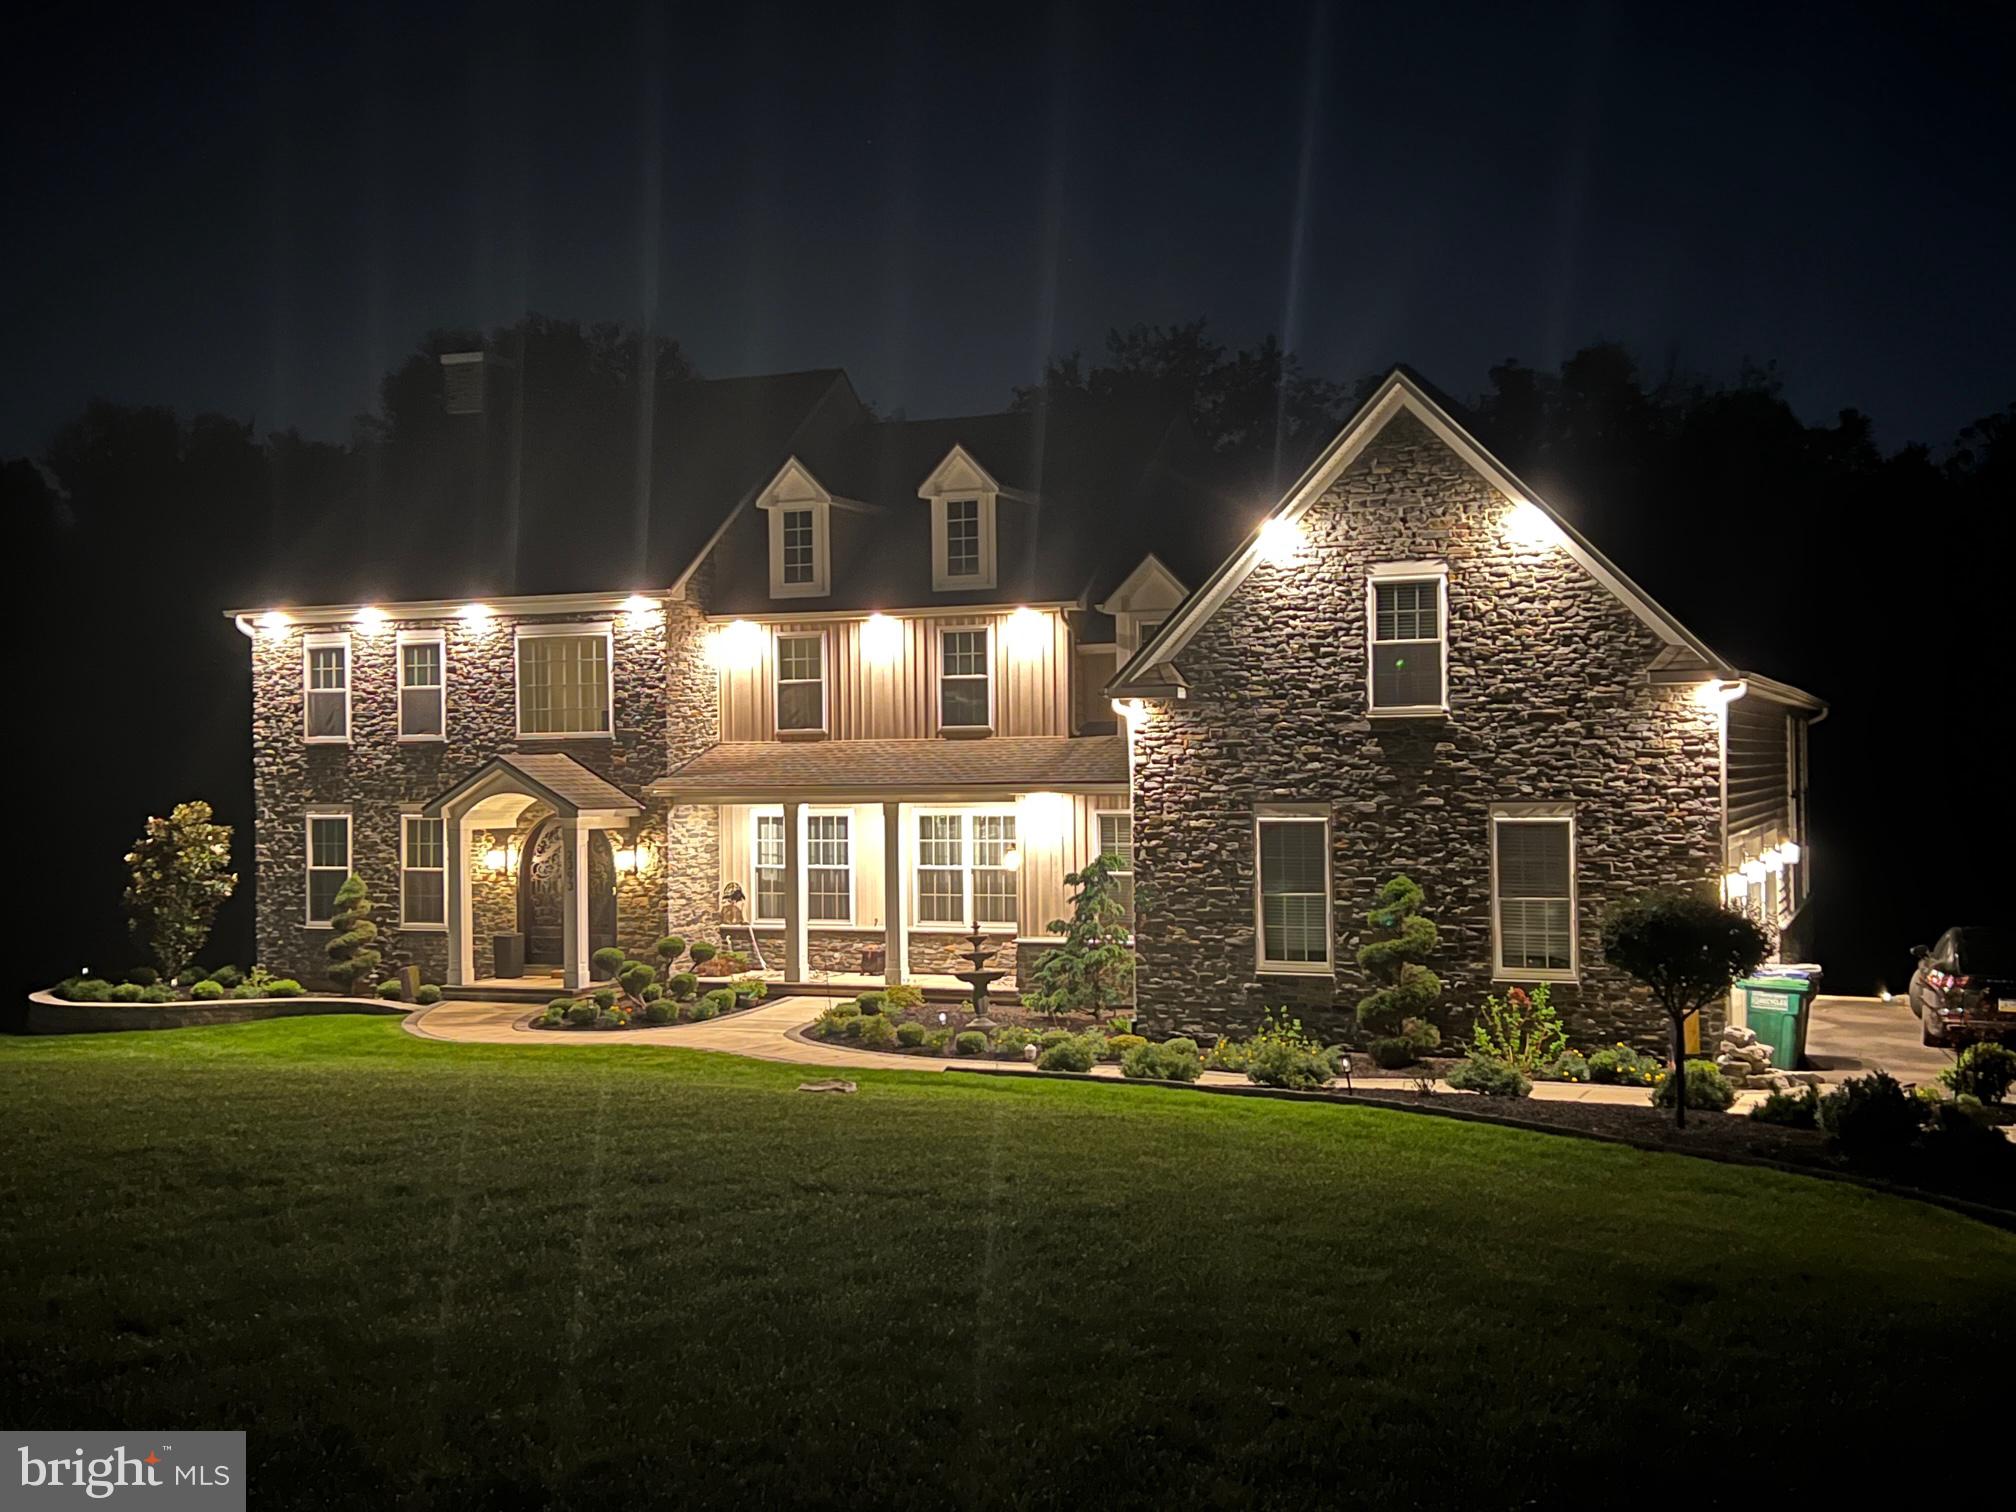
(1019, 763)
(559, 778)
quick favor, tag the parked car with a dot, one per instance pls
(1965, 986)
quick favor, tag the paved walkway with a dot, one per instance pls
(763, 1034)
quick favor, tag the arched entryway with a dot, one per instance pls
(542, 895)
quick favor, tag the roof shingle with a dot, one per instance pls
(893, 768)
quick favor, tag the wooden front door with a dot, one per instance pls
(542, 895)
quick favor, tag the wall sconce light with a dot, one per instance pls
(371, 618)
(1734, 885)
(1043, 818)
(1789, 851)
(1279, 541)
(1774, 860)
(275, 622)
(1753, 870)
(475, 616)
(1714, 695)
(1011, 859)
(736, 646)
(1025, 631)
(497, 859)
(641, 612)
(631, 859)
(1526, 524)
(881, 639)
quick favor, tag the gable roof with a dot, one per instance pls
(556, 779)
(1147, 672)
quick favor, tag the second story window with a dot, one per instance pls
(801, 683)
(1116, 844)
(563, 680)
(799, 566)
(423, 687)
(962, 538)
(325, 669)
(1408, 644)
(965, 686)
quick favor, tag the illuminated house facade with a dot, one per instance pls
(902, 677)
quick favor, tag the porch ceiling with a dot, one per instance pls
(901, 768)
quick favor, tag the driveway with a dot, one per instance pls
(1851, 1035)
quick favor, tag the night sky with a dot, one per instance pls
(260, 211)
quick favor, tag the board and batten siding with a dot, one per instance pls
(1042, 895)
(898, 699)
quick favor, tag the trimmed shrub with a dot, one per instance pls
(1872, 1118)
(206, 991)
(721, 1000)
(701, 952)
(389, 988)
(582, 1013)
(127, 992)
(875, 1031)
(1621, 1066)
(1706, 1087)
(1985, 1070)
(936, 1040)
(636, 976)
(1052, 1037)
(1394, 959)
(658, 1011)
(143, 976)
(245, 991)
(287, 987)
(554, 1013)
(1174, 1060)
(427, 995)
(353, 958)
(559, 1005)
(1075, 1052)
(607, 962)
(1281, 1055)
(188, 976)
(603, 997)
(227, 977)
(1791, 1110)
(970, 1042)
(1489, 1078)
(684, 985)
(670, 949)
(1013, 1039)
(1569, 1066)
(1391, 1052)
(753, 990)
(652, 992)
(903, 997)
(1117, 1046)
(612, 1018)
(910, 1034)
(158, 992)
(871, 1002)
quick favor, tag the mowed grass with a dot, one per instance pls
(422, 1274)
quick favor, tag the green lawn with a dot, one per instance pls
(429, 1274)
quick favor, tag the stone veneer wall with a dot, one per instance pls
(1549, 701)
(376, 774)
(691, 852)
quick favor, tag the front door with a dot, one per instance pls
(542, 895)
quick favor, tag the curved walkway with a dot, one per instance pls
(764, 1033)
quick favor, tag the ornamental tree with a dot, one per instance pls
(1688, 949)
(179, 879)
(1403, 938)
(1092, 969)
(352, 956)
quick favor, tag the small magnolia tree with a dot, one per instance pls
(1092, 969)
(1407, 989)
(353, 959)
(180, 877)
(1689, 950)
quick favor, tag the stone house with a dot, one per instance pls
(884, 682)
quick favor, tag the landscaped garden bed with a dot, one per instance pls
(631, 993)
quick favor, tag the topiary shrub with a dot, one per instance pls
(581, 1014)
(143, 976)
(1791, 1110)
(353, 959)
(684, 986)
(1985, 1070)
(652, 992)
(658, 1011)
(670, 948)
(206, 991)
(1872, 1119)
(1075, 1052)
(607, 962)
(910, 1034)
(701, 952)
(970, 1042)
(1405, 938)
(1489, 1078)
(1706, 1087)
(390, 988)
(875, 1031)
(287, 987)
(1391, 1052)
(603, 997)
(636, 976)
(427, 995)
(127, 992)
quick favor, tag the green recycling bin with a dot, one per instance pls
(1777, 1008)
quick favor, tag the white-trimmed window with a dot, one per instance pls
(423, 685)
(1408, 652)
(801, 682)
(965, 681)
(1116, 843)
(328, 863)
(1533, 892)
(829, 868)
(1292, 890)
(799, 564)
(423, 872)
(962, 873)
(962, 538)
(766, 856)
(325, 683)
(800, 544)
(563, 680)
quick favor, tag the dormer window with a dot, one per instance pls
(963, 497)
(799, 563)
(800, 514)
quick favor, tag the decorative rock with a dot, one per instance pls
(1737, 1034)
(1030, 1054)
(826, 1086)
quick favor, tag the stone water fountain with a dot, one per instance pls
(981, 977)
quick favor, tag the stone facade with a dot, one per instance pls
(376, 776)
(1549, 701)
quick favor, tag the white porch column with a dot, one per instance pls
(896, 960)
(794, 892)
(461, 932)
(574, 905)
